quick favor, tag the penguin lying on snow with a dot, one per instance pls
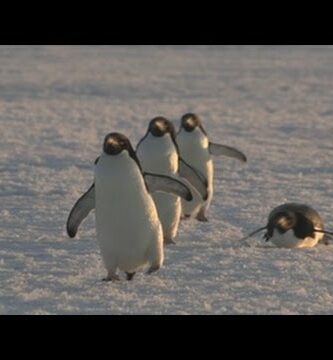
(158, 152)
(294, 225)
(129, 232)
(196, 149)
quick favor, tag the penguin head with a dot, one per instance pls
(190, 122)
(115, 143)
(285, 221)
(160, 126)
(282, 221)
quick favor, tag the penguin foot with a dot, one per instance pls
(266, 237)
(153, 269)
(130, 276)
(169, 241)
(325, 240)
(201, 216)
(112, 277)
(185, 217)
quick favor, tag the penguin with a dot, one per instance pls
(158, 152)
(294, 225)
(196, 149)
(128, 229)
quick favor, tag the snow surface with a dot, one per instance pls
(272, 102)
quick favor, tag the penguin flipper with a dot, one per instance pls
(167, 184)
(195, 177)
(217, 150)
(80, 211)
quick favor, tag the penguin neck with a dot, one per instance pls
(163, 143)
(119, 166)
(194, 139)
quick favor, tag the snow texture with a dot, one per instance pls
(272, 102)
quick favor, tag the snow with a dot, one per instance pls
(272, 102)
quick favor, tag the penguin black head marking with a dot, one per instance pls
(160, 126)
(115, 143)
(282, 221)
(190, 122)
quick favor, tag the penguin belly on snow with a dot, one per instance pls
(294, 225)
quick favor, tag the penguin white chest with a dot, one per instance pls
(127, 223)
(194, 149)
(289, 240)
(158, 154)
